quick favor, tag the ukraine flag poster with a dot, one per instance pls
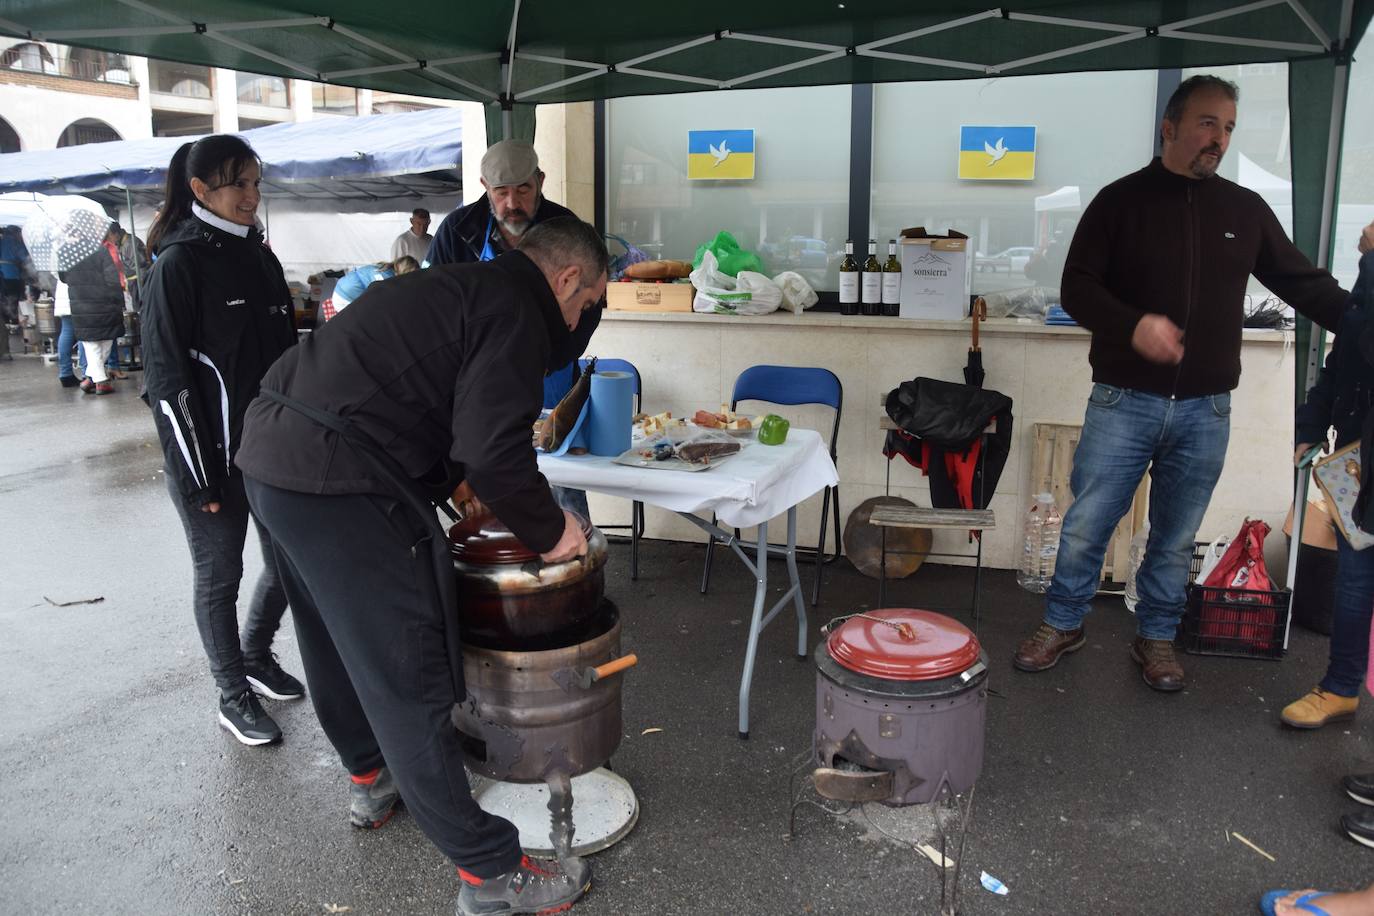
(997, 153)
(713, 155)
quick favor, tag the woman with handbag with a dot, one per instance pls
(216, 313)
(1342, 398)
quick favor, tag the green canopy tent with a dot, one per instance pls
(512, 55)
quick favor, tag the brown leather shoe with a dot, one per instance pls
(1158, 664)
(1043, 649)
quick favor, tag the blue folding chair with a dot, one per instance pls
(792, 386)
(636, 526)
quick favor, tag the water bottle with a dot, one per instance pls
(1133, 560)
(1041, 545)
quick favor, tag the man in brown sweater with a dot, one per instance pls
(1157, 272)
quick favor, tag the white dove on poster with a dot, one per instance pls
(996, 152)
(720, 154)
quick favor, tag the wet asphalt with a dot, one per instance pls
(119, 792)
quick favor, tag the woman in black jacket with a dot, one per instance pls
(216, 314)
(97, 300)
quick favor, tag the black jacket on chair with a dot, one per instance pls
(945, 417)
(96, 296)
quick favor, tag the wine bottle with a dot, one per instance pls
(849, 281)
(892, 282)
(872, 282)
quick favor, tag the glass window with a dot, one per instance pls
(184, 80)
(263, 90)
(1091, 129)
(342, 99)
(793, 213)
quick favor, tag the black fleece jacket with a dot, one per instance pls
(216, 313)
(1158, 242)
(442, 369)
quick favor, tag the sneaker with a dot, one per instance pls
(536, 886)
(1358, 826)
(87, 386)
(266, 678)
(372, 799)
(1045, 646)
(1360, 786)
(104, 388)
(1317, 708)
(69, 381)
(245, 719)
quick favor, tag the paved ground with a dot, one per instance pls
(122, 795)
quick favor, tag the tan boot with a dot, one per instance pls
(1318, 708)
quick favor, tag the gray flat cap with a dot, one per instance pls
(509, 162)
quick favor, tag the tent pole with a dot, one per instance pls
(1339, 91)
(133, 234)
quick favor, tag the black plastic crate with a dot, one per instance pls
(1235, 622)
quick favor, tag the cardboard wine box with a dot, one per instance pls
(936, 275)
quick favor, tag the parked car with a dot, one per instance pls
(1011, 259)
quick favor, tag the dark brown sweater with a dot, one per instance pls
(1158, 242)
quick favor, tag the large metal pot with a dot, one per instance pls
(509, 599)
(530, 716)
(901, 697)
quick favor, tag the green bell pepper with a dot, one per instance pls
(773, 430)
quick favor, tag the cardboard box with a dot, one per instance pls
(631, 296)
(936, 275)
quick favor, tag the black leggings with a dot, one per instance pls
(216, 540)
(361, 580)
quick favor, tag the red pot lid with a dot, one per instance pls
(484, 540)
(904, 644)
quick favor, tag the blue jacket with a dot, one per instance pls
(1344, 391)
(352, 284)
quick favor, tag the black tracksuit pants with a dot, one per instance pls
(360, 578)
(216, 540)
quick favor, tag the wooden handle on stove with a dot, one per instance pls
(616, 666)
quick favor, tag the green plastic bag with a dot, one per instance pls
(729, 256)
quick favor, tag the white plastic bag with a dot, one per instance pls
(748, 294)
(1211, 558)
(797, 294)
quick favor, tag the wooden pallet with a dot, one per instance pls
(1051, 469)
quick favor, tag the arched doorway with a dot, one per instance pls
(9, 138)
(87, 130)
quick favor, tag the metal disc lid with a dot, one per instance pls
(903, 644)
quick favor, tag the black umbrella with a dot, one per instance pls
(973, 371)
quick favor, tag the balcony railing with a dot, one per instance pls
(113, 69)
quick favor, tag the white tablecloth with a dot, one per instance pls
(759, 483)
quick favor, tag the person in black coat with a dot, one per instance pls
(1341, 399)
(425, 381)
(216, 313)
(97, 300)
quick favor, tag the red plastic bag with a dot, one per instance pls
(1242, 565)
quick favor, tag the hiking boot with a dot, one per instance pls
(372, 799)
(1158, 664)
(104, 388)
(1358, 826)
(245, 719)
(87, 386)
(1043, 649)
(1360, 787)
(267, 679)
(536, 886)
(1318, 708)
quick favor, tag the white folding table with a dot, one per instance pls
(747, 489)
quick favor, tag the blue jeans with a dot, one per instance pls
(1354, 607)
(1183, 444)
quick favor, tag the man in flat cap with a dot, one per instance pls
(494, 224)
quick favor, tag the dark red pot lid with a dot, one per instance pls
(924, 646)
(484, 540)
